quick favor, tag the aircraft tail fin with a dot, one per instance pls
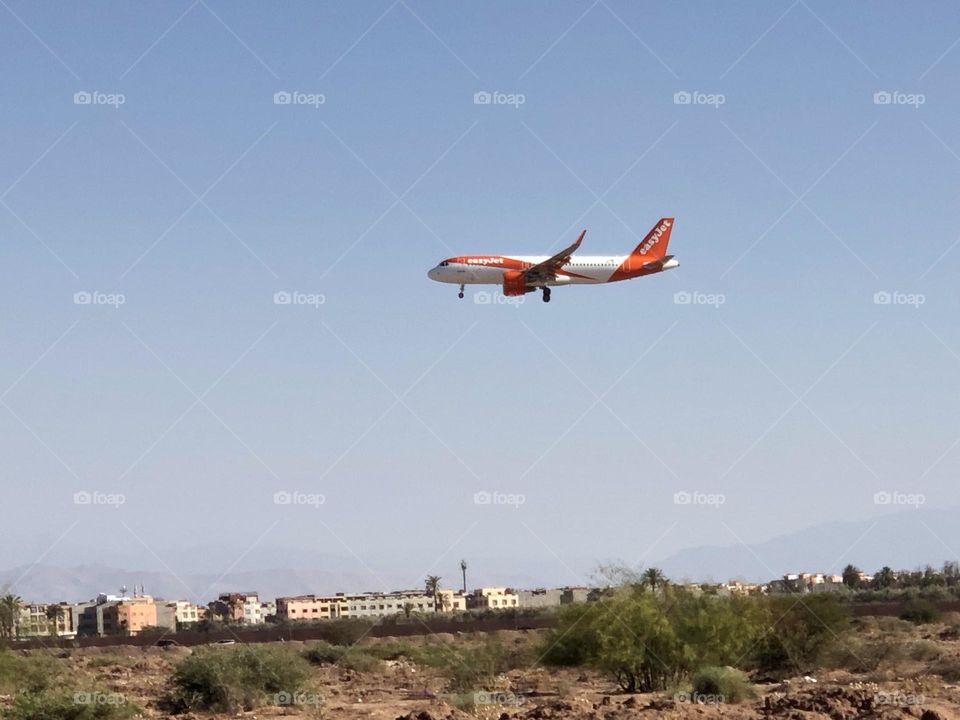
(654, 245)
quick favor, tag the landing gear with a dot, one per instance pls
(460, 295)
(546, 294)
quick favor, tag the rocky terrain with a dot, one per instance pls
(912, 674)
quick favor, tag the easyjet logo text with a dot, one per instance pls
(654, 237)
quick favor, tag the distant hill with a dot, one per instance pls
(903, 540)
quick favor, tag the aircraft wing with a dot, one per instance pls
(547, 270)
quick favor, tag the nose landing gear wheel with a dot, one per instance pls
(546, 294)
(460, 295)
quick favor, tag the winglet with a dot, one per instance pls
(579, 240)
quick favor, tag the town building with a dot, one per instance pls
(241, 608)
(540, 598)
(312, 607)
(406, 602)
(43, 620)
(493, 597)
(451, 601)
(186, 614)
(128, 617)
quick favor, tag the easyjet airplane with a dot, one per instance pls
(521, 274)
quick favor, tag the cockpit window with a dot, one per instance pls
(444, 263)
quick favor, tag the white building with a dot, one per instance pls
(375, 604)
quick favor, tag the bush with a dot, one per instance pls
(924, 651)
(474, 667)
(360, 661)
(574, 641)
(323, 653)
(649, 641)
(47, 706)
(920, 611)
(726, 685)
(801, 630)
(33, 673)
(242, 677)
(862, 655)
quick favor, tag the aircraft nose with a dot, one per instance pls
(432, 273)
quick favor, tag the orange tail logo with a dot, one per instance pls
(654, 245)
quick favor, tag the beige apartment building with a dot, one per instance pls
(129, 616)
(40, 620)
(186, 614)
(496, 598)
(312, 607)
(451, 601)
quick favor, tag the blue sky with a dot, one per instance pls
(798, 198)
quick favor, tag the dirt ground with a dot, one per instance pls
(913, 679)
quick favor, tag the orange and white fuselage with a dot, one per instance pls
(519, 274)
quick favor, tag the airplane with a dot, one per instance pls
(520, 274)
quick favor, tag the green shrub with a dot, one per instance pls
(474, 667)
(920, 611)
(924, 651)
(859, 654)
(574, 642)
(649, 641)
(49, 706)
(242, 677)
(32, 673)
(724, 685)
(360, 661)
(800, 631)
(323, 653)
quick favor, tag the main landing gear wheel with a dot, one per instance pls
(460, 295)
(546, 294)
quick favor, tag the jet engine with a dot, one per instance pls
(514, 283)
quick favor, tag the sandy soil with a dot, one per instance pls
(917, 683)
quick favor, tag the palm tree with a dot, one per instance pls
(432, 585)
(55, 615)
(851, 576)
(652, 577)
(9, 614)
(884, 578)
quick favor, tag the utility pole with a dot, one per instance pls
(463, 569)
